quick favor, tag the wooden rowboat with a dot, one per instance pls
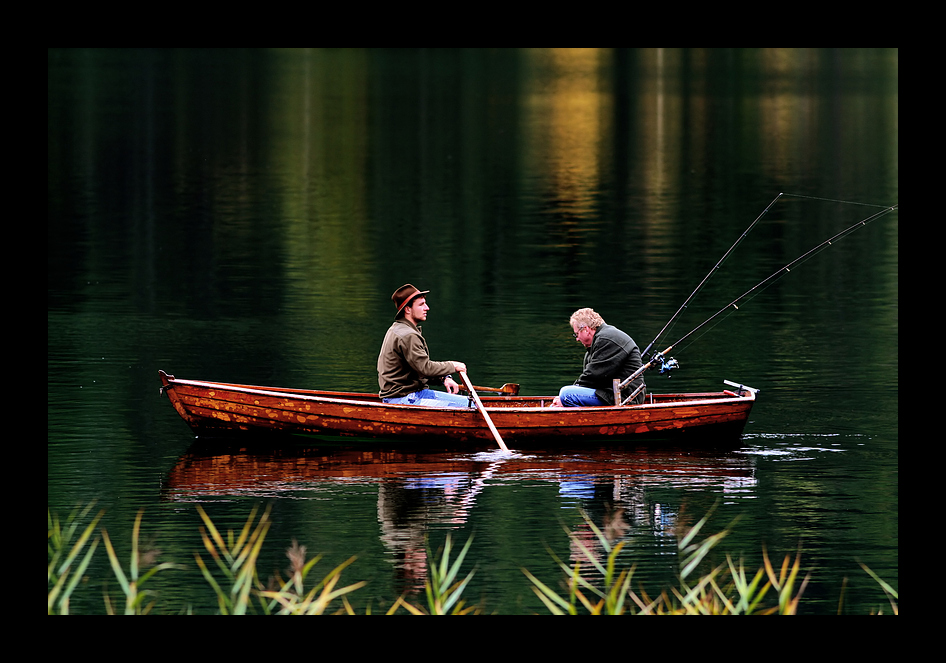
(219, 409)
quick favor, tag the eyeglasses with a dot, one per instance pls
(575, 334)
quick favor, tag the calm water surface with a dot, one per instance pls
(244, 216)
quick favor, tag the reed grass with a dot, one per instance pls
(294, 599)
(892, 595)
(236, 559)
(594, 585)
(62, 576)
(723, 590)
(444, 592)
(133, 581)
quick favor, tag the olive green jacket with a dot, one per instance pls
(404, 364)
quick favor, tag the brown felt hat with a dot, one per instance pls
(405, 294)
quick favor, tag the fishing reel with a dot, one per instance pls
(666, 365)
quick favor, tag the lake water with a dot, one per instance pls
(244, 216)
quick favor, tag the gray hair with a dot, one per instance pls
(586, 317)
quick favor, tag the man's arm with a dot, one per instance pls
(415, 354)
(603, 365)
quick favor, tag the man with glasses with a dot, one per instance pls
(610, 354)
(404, 364)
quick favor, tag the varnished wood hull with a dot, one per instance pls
(221, 409)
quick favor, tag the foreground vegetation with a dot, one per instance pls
(596, 586)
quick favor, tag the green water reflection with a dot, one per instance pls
(244, 216)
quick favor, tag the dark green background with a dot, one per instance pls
(245, 215)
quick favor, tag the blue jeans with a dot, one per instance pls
(575, 396)
(431, 398)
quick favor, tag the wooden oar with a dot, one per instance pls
(508, 389)
(479, 406)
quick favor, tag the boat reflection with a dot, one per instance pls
(419, 492)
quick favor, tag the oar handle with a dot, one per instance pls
(479, 406)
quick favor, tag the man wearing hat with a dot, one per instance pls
(404, 364)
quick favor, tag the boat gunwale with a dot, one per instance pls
(709, 398)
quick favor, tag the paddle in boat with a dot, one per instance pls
(221, 409)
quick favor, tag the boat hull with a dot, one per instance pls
(221, 409)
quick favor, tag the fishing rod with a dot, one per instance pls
(710, 274)
(666, 364)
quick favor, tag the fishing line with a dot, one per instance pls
(834, 200)
(710, 274)
(788, 268)
(666, 364)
